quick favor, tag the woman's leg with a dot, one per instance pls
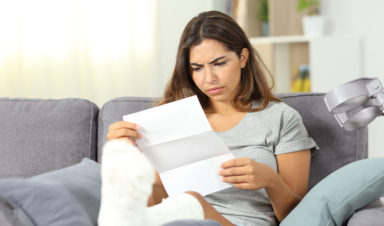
(158, 192)
(210, 212)
(127, 178)
(126, 191)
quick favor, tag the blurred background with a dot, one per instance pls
(99, 49)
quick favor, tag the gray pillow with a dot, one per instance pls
(66, 197)
(69, 196)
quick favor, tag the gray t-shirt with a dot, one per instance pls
(261, 135)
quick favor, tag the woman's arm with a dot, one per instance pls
(291, 183)
(285, 188)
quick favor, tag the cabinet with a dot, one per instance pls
(332, 60)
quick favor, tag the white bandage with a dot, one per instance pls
(127, 178)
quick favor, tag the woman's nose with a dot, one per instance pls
(210, 75)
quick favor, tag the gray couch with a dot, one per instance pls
(39, 136)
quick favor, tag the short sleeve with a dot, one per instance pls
(293, 134)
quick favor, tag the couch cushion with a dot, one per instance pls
(371, 217)
(39, 135)
(334, 199)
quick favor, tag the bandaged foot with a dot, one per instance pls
(127, 179)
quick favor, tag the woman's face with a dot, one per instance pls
(216, 70)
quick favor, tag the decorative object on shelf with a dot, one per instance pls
(263, 16)
(356, 103)
(313, 22)
(302, 82)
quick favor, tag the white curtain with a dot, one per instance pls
(93, 49)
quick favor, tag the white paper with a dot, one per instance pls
(179, 141)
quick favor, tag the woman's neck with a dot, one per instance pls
(220, 108)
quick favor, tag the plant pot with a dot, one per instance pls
(313, 26)
(265, 28)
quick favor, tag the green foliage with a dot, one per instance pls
(311, 7)
(262, 13)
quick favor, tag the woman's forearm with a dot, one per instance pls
(282, 197)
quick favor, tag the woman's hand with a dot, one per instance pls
(124, 130)
(244, 173)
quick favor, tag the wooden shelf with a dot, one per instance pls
(279, 39)
(282, 55)
(332, 60)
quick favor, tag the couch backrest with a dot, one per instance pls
(38, 136)
(113, 111)
(337, 146)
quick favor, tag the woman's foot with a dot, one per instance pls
(127, 178)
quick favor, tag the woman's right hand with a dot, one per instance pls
(124, 130)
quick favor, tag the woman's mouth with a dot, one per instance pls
(215, 90)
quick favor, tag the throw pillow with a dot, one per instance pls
(334, 199)
(69, 196)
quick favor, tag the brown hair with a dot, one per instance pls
(220, 27)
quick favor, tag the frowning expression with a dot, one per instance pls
(216, 70)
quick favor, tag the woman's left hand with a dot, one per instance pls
(245, 173)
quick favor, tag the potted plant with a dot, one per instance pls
(262, 15)
(313, 22)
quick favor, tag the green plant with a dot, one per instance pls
(262, 13)
(311, 7)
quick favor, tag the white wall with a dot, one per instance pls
(172, 16)
(363, 18)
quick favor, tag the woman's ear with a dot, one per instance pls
(244, 57)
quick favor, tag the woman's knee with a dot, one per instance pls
(198, 197)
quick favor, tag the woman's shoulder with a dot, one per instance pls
(273, 105)
(277, 108)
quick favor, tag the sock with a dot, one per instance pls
(127, 178)
(178, 207)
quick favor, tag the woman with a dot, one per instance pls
(270, 173)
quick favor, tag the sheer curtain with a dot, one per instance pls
(93, 49)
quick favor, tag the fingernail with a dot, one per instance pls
(137, 126)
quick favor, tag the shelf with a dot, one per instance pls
(279, 40)
(283, 55)
(333, 60)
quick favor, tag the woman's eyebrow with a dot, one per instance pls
(215, 60)
(196, 64)
(211, 62)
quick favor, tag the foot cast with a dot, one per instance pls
(127, 179)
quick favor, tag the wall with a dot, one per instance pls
(172, 16)
(95, 50)
(363, 19)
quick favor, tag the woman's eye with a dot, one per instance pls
(220, 63)
(196, 68)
